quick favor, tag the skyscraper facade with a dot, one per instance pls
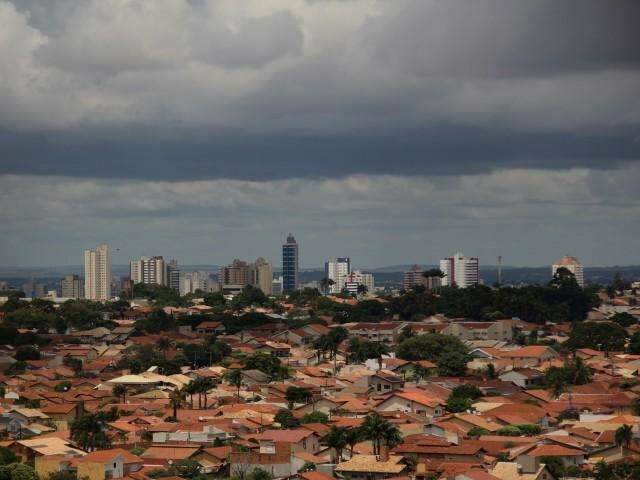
(173, 275)
(290, 265)
(337, 271)
(573, 265)
(97, 273)
(460, 271)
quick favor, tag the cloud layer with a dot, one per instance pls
(294, 88)
(528, 216)
(391, 130)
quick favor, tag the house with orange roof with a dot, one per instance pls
(531, 354)
(568, 456)
(412, 401)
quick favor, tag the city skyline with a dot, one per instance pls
(389, 131)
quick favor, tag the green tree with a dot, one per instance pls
(187, 468)
(475, 432)
(605, 336)
(286, 419)
(452, 364)
(429, 346)
(7, 456)
(315, 417)
(120, 392)
(624, 436)
(295, 395)
(624, 319)
(336, 439)
(354, 436)
(234, 377)
(89, 431)
(458, 404)
(176, 400)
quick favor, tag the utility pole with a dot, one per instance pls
(499, 270)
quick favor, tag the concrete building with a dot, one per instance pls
(418, 276)
(261, 275)
(353, 281)
(460, 270)
(149, 270)
(290, 265)
(573, 265)
(97, 273)
(237, 273)
(337, 271)
(71, 286)
(173, 275)
(199, 280)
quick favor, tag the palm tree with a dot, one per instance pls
(190, 388)
(205, 385)
(176, 399)
(354, 436)
(372, 428)
(391, 436)
(89, 432)
(337, 439)
(120, 391)
(557, 387)
(234, 377)
(623, 437)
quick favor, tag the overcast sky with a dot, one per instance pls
(393, 131)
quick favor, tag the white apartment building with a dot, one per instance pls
(460, 270)
(193, 281)
(357, 278)
(149, 270)
(337, 271)
(97, 273)
(573, 265)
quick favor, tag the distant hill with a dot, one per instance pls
(391, 275)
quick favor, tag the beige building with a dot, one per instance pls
(499, 330)
(261, 275)
(97, 273)
(573, 265)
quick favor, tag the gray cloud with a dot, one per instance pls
(530, 216)
(489, 125)
(213, 88)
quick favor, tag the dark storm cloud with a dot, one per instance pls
(192, 89)
(436, 151)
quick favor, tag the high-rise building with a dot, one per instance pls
(290, 265)
(97, 273)
(413, 277)
(149, 270)
(460, 270)
(261, 275)
(237, 274)
(573, 265)
(356, 279)
(337, 271)
(276, 286)
(71, 286)
(173, 275)
(191, 282)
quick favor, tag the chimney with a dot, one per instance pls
(384, 453)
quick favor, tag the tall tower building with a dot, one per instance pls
(460, 270)
(173, 275)
(573, 265)
(261, 275)
(97, 273)
(337, 271)
(290, 265)
(152, 271)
